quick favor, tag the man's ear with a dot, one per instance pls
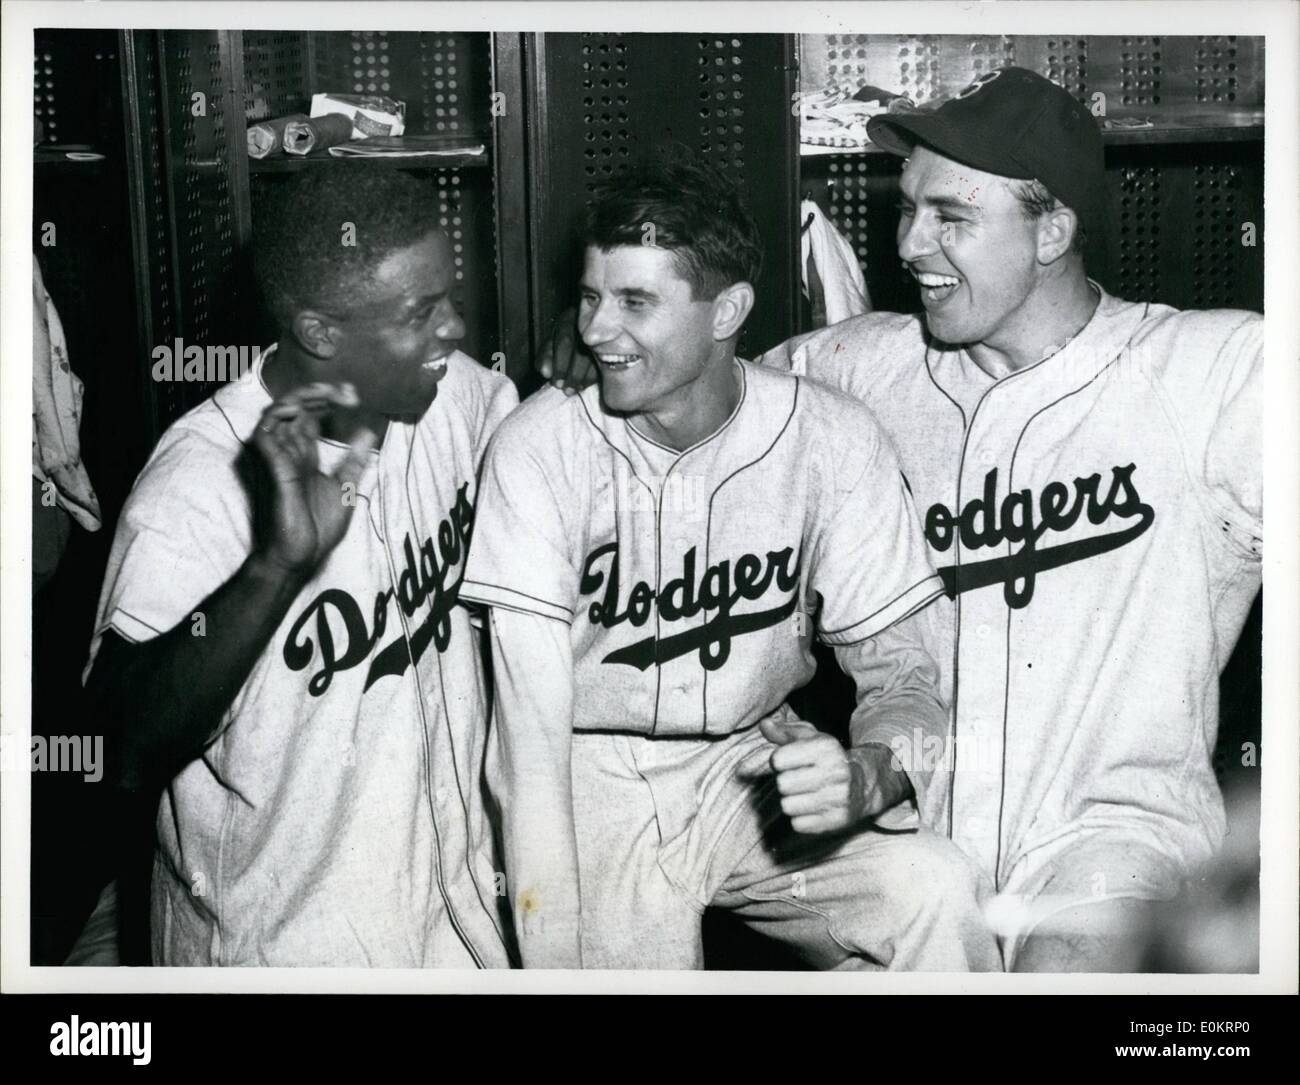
(730, 308)
(1056, 230)
(316, 334)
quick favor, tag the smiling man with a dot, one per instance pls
(1090, 475)
(656, 554)
(278, 638)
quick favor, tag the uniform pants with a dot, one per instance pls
(97, 944)
(1086, 865)
(668, 826)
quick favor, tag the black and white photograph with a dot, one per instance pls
(650, 492)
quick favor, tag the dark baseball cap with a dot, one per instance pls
(1014, 123)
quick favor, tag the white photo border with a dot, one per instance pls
(1277, 21)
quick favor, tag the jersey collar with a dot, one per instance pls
(1101, 346)
(767, 401)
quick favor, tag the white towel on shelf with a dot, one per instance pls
(56, 412)
(835, 264)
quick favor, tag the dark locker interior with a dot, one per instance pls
(152, 242)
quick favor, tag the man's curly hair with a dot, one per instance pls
(300, 260)
(695, 212)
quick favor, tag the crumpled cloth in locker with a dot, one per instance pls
(56, 412)
(833, 119)
(832, 278)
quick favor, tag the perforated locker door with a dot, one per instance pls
(1154, 75)
(602, 101)
(190, 205)
(278, 67)
(76, 98)
(1178, 209)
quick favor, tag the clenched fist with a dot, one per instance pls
(825, 788)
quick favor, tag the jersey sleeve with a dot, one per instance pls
(520, 554)
(528, 772)
(848, 356)
(501, 398)
(1232, 420)
(185, 530)
(871, 566)
(898, 700)
(813, 354)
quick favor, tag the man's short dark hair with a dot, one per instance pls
(1036, 200)
(688, 208)
(300, 258)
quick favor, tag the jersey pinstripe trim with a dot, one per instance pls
(1006, 680)
(708, 533)
(898, 608)
(131, 627)
(498, 595)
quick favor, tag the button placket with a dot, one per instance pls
(981, 655)
(680, 530)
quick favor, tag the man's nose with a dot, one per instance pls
(917, 237)
(599, 324)
(451, 327)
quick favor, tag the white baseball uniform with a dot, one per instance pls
(1097, 522)
(337, 818)
(671, 597)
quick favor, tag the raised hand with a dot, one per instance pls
(305, 512)
(564, 361)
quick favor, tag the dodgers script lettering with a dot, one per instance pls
(984, 524)
(419, 581)
(720, 587)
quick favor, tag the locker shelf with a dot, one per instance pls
(286, 163)
(54, 159)
(1220, 127)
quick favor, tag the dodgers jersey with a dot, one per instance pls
(1096, 519)
(690, 580)
(337, 817)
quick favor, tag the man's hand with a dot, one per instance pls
(305, 514)
(825, 788)
(564, 361)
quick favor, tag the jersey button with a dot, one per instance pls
(440, 795)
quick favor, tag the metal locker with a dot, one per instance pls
(191, 95)
(189, 196)
(1181, 194)
(598, 102)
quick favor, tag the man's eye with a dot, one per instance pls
(633, 303)
(904, 209)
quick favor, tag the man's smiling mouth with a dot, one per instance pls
(935, 288)
(617, 362)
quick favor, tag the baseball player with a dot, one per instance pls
(279, 632)
(656, 554)
(1089, 475)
